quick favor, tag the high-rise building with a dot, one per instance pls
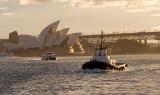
(13, 37)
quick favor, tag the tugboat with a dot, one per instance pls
(102, 60)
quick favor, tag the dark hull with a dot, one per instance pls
(50, 58)
(103, 66)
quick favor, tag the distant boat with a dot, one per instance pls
(5, 54)
(102, 60)
(49, 56)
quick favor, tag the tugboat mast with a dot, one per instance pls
(101, 45)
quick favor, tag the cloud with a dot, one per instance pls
(27, 2)
(3, 8)
(62, 1)
(136, 11)
(3, 0)
(150, 4)
(131, 6)
(155, 28)
(156, 14)
(97, 3)
(111, 3)
(8, 14)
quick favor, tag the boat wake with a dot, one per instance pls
(94, 71)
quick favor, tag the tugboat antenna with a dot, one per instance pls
(101, 46)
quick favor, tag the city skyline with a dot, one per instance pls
(86, 16)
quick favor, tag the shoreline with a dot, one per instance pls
(63, 52)
(74, 55)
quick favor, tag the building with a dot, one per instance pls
(10, 46)
(73, 38)
(13, 37)
(61, 37)
(49, 37)
(28, 42)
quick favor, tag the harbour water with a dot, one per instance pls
(32, 76)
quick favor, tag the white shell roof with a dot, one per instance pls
(73, 38)
(48, 40)
(54, 38)
(60, 40)
(62, 36)
(43, 36)
(63, 31)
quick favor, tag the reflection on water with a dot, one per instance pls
(64, 77)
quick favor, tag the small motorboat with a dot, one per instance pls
(102, 60)
(49, 56)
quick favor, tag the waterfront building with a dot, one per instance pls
(10, 46)
(47, 35)
(13, 37)
(61, 37)
(73, 38)
(28, 42)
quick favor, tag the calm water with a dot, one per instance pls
(31, 76)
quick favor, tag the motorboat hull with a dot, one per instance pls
(49, 58)
(104, 66)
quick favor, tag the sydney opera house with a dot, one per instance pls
(49, 37)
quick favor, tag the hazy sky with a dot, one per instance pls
(86, 16)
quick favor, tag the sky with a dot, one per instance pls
(87, 16)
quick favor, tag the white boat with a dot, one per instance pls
(49, 56)
(102, 60)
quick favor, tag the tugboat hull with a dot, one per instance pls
(104, 66)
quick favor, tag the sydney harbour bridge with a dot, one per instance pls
(139, 36)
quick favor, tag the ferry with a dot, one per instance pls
(102, 60)
(49, 56)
